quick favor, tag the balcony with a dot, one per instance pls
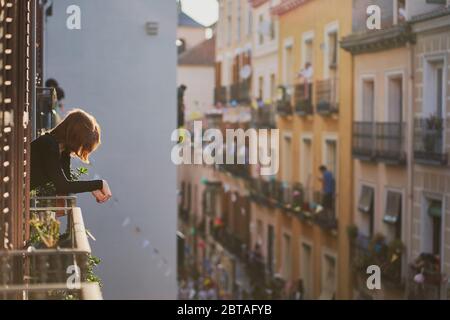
(41, 270)
(303, 99)
(284, 105)
(263, 117)
(426, 282)
(240, 92)
(326, 216)
(379, 141)
(368, 251)
(429, 146)
(327, 97)
(220, 95)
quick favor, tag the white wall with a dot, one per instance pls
(199, 96)
(127, 79)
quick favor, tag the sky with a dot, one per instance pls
(204, 11)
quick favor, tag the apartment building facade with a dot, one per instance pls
(430, 185)
(387, 129)
(315, 129)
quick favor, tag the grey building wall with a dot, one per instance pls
(113, 69)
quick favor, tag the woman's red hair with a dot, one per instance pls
(79, 132)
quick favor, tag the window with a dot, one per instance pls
(287, 262)
(399, 11)
(308, 51)
(249, 19)
(260, 88)
(331, 156)
(229, 22)
(288, 71)
(365, 205)
(287, 158)
(395, 99)
(307, 163)
(434, 83)
(272, 29)
(306, 269)
(393, 211)
(273, 87)
(270, 248)
(333, 49)
(435, 215)
(368, 100)
(328, 278)
(238, 22)
(261, 30)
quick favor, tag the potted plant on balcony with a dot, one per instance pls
(432, 133)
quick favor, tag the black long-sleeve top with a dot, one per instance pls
(49, 165)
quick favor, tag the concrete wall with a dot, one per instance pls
(127, 79)
(199, 96)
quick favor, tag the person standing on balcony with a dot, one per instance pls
(307, 75)
(77, 135)
(327, 188)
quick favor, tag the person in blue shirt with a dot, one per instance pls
(327, 187)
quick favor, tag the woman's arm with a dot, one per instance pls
(54, 170)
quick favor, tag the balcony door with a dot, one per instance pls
(306, 269)
(287, 158)
(434, 89)
(368, 101)
(395, 100)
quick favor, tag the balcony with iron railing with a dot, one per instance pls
(240, 92)
(42, 269)
(425, 279)
(303, 99)
(327, 98)
(284, 103)
(379, 141)
(429, 147)
(263, 117)
(220, 95)
(366, 251)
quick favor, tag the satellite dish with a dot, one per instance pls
(246, 72)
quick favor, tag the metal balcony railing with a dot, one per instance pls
(429, 145)
(303, 99)
(390, 142)
(284, 104)
(220, 95)
(326, 216)
(379, 141)
(263, 117)
(364, 140)
(327, 101)
(41, 272)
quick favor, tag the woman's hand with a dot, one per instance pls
(106, 190)
(104, 194)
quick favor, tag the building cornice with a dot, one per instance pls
(394, 37)
(287, 5)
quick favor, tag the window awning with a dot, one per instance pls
(435, 209)
(393, 207)
(366, 199)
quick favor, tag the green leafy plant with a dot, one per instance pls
(93, 262)
(44, 230)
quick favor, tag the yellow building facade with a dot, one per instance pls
(315, 122)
